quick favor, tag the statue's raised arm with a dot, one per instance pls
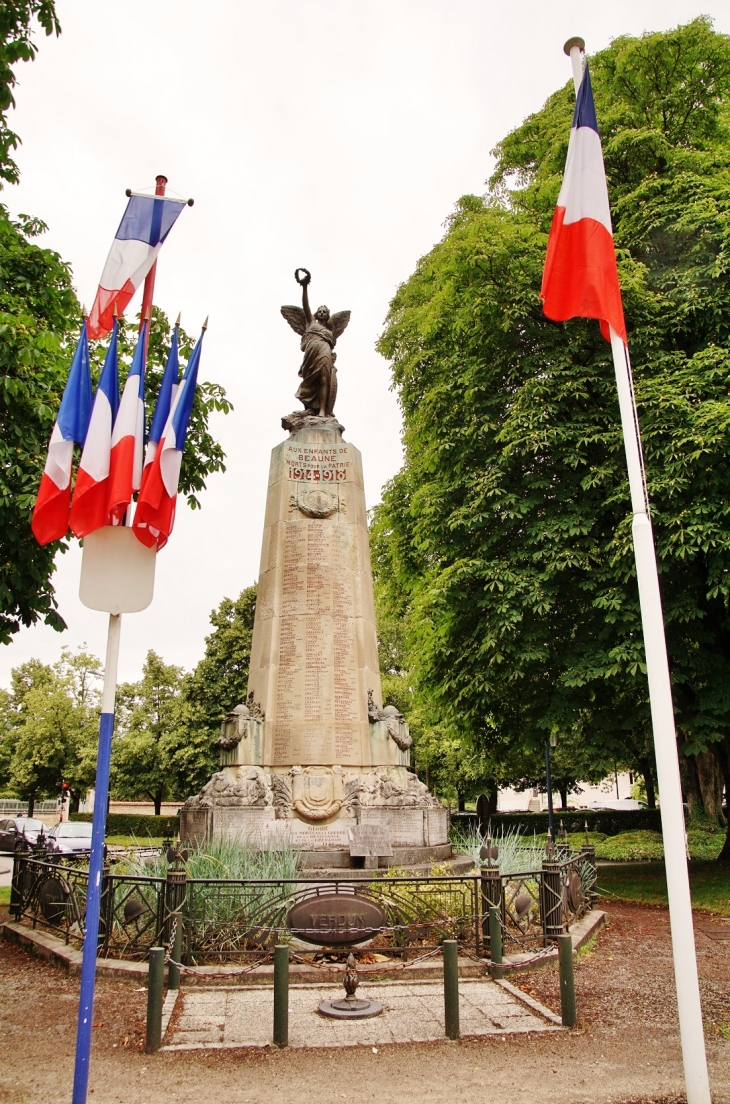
(319, 333)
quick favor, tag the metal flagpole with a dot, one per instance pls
(662, 716)
(149, 282)
(96, 863)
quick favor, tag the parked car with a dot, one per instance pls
(18, 827)
(618, 803)
(70, 837)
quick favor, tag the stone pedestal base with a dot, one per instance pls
(268, 810)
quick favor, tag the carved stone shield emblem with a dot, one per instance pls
(316, 792)
(317, 503)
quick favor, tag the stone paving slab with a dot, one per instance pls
(243, 1016)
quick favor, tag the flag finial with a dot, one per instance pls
(177, 320)
(205, 324)
(576, 41)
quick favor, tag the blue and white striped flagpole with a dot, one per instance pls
(96, 863)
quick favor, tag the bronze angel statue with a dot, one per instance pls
(318, 389)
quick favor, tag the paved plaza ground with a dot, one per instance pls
(238, 1016)
(626, 1047)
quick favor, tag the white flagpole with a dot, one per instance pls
(662, 717)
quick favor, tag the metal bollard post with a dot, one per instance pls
(173, 972)
(451, 988)
(567, 983)
(281, 995)
(495, 942)
(154, 999)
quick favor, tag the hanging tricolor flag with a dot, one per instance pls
(155, 513)
(146, 223)
(50, 515)
(165, 399)
(89, 506)
(127, 449)
(580, 277)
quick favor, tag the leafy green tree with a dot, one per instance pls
(16, 44)
(40, 319)
(147, 733)
(218, 683)
(505, 542)
(51, 721)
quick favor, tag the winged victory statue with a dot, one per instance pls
(319, 332)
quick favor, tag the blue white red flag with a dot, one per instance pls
(580, 277)
(127, 447)
(89, 505)
(50, 514)
(146, 223)
(155, 513)
(165, 399)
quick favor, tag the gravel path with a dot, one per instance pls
(626, 1047)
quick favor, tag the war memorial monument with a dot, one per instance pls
(312, 758)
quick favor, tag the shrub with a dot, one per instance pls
(608, 821)
(136, 824)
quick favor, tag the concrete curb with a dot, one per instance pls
(69, 959)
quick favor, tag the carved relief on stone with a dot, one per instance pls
(249, 786)
(402, 788)
(397, 727)
(254, 709)
(375, 713)
(395, 722)
(234, 728)
(281, 787)
(317, 792)
(316, 503)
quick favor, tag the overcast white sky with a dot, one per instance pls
(334, 134)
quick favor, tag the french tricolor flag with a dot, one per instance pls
(155, 513)
(89, 506)
(580, 277)
(127, 447)
(50, 514)
(146, 223)
(165, 399)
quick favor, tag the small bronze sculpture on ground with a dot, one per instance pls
(318, 389)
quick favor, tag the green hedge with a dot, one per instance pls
(609, 821)
(136, 824)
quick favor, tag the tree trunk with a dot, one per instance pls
(492, 799)
(709, 774)
(563, 791)
(648, 776)
(690, 784)
(158, 803)
(75, 801)
(31, 803)
(461, 801)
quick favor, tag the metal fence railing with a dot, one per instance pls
(230, 920)
(11, 806)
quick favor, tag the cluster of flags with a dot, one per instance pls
(116, 462)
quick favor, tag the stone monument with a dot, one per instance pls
(312, 757)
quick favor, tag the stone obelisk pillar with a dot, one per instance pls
(314, 655)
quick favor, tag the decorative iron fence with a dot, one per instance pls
(223, 920)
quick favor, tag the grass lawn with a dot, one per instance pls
(134, 841)
(4, 895)
(645, 882)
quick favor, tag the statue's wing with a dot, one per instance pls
(296, 318)
(338, 322)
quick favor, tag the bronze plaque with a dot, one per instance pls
(335, 918)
